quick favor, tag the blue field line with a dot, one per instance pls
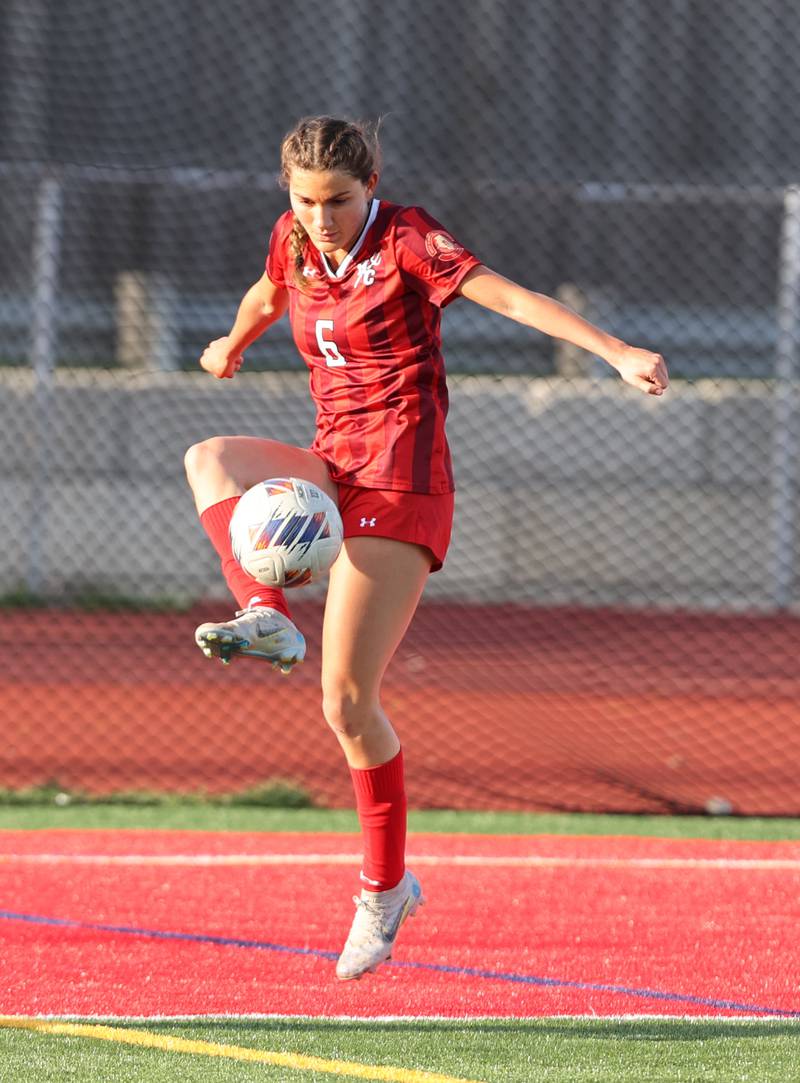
(437, 968)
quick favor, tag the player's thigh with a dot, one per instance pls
(225, 466)
(375, 586)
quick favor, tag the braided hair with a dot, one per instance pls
(319, 144)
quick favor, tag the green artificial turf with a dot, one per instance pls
(491, 1051)
(200, 817)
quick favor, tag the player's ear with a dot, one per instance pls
(372, 184)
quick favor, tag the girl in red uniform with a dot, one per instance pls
(364, 282)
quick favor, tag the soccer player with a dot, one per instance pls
(364, 281)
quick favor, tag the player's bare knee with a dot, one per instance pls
(202, 457)
(346, 715)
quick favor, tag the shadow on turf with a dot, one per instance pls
(637, 1030)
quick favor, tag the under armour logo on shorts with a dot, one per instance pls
(368, 522)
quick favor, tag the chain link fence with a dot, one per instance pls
(617, 623)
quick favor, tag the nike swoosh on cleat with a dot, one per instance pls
(391, 931)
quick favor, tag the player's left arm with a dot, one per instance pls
(645, 370)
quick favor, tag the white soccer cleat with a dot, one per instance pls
(261, 632)
(379, 915)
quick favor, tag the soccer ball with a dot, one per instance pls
(286, 532)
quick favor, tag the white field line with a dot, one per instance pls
(533, 861)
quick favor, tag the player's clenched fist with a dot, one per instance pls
(642, 369)
(216, 359)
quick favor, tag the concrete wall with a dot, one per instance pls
(579, 491)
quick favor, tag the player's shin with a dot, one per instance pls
(246, 590)
(381, 803)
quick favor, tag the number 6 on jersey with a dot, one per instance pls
(327, 347)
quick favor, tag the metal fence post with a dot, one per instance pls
(787, 370)
(45, 264)
(43, 355)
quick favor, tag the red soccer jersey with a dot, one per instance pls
(370, 335)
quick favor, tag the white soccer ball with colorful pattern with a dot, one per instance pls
(286, 532)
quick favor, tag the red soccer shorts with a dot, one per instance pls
(420, 518)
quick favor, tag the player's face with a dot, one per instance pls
(331, 206)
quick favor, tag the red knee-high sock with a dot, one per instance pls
(246, 590)
(381, 803)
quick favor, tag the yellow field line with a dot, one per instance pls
(296, 1061)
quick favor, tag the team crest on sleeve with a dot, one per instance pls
(438, 243)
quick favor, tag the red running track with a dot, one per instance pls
(498, 707)
(123, 923)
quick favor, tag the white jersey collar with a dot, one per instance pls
(341, 270)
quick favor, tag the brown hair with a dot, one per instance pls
(319, 144)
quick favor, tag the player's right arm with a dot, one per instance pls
(262, 305)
